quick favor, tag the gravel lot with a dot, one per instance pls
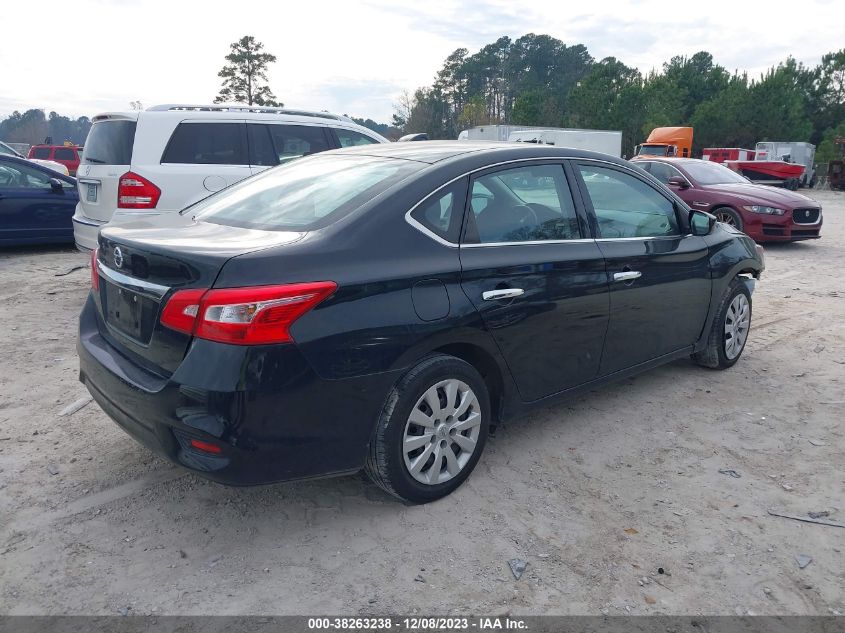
(596, 493)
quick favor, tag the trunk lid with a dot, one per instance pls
(140, 269)
(106, 157)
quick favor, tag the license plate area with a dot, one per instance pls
(130, 313)
(91, 192)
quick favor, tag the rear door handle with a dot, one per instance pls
(628, 275)
(504, 293)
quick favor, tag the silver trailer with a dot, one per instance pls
(791, 152)
(604, 141)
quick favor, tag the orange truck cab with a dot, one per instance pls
(667, 141)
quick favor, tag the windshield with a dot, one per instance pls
(5, 149)
(306, 194)
(653, 150)
(707, 173)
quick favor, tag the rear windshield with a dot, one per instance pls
(306, 194)
(110, 143)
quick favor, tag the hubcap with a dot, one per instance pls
(726, 218)
(737, 324)
(442, 431)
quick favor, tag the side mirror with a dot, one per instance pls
(701, 223)
(678, 181)
(56, 185)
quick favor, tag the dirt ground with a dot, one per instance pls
(596, 494)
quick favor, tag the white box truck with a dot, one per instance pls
(792, 152)
(604, 141)
(492, 132)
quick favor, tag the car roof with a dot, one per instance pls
(240, 112)
(25, 161)
(436, 151)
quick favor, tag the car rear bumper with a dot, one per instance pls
(85, 230)
(271, 416)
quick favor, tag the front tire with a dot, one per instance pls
(729, 332)
(431, 431)
(729, 216)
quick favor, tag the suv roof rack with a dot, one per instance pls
(240, 107)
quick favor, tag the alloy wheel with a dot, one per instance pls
(441, 434)
(726, 218)
(737, 322)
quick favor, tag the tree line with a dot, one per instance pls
(539, 80)
(33, 126)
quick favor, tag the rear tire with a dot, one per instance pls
(729, 332)
(431, 431)
(729, 216)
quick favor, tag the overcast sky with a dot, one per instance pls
(81, 57)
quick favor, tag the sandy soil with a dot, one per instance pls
(596, 493)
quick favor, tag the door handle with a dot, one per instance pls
(504, 293)
(628, 275)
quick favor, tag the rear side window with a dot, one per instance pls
(305, 194)
(442, 213)
(207, 144)
(350, 138)
(110, 143)
(625, 206)
(65, 153)
(41, 153)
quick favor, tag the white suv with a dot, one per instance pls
(156, 162)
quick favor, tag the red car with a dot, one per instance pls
(764, 213)
(67, 155)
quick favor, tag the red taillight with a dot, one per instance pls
(95, 274)
(180, 313)
(206, 447)
(244, 316)
(136, 192)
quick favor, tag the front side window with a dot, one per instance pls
(662, 171)
(41, 153)
(305, 194)
(22, 177)
(207, 144)
(625, 206)
(523, 204)
(295, 141)
(350, 138)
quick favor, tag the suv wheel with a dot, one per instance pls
(431, 431)
(729, 332)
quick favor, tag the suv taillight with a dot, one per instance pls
(243, 316)
(136, 192)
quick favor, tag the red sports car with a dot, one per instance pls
(764, 213)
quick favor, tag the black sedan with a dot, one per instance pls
(36, 203)
(379, 308)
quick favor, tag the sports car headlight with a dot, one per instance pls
(756, 208)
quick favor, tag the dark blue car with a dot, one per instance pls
(36, 203)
